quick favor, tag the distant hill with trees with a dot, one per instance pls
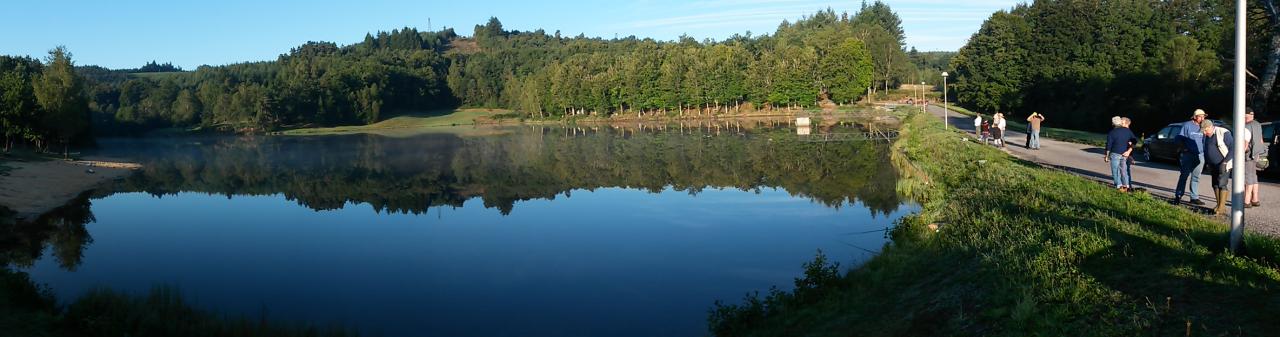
(153, 67)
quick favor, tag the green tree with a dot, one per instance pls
(60, 94)
(18, 104)
(186, 108)
(846, 71)
(990, 71)
(879, 14)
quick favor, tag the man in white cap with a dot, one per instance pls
(1190, 158)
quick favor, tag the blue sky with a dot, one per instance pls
(127, 34)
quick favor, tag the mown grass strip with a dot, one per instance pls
(1025, 251)
(459, 117)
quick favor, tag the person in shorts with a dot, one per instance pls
(1255, 149)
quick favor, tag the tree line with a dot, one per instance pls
(42, 103)
(825, 57)
(1085, 61)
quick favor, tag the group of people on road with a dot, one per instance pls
(992, 132)
(1206, 147)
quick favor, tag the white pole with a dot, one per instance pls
(946, 110)
(1237, 149)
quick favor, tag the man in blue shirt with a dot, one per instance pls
(1119, 147)
(1190, 158)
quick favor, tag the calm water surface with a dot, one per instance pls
(530, 231)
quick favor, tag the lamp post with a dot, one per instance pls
(1237, 149)
(946, 111)
(923, 105)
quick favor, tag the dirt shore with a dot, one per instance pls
(35, 187)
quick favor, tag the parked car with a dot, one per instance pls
(1270, 137)
(1162, 145)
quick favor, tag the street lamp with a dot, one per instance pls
(1237, 149)
(923, 105)
(946, 119)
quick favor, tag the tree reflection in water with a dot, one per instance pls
(23, 243)
(412, 174)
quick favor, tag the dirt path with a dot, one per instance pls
(1158, 178)
(33, 188)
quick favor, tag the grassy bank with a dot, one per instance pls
(31, 311)
(1025, 251)
(1074, 136)
(444, 118)
(442, 121)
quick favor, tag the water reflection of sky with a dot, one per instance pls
(609, 262)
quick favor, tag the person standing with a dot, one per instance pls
(1217, 161)
(1190, 159)
(1257, 149)
(1028, 133)
(986, 132)
(977, 127)
(1000, 127)
(1133, 145)
(1033, 127)
(1119, 148)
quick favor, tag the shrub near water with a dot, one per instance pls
(1027, 251)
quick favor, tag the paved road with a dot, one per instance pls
(1158, 178)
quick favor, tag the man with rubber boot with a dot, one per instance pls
(1217, 161)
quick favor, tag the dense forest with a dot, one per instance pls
(1080, 62)
(824, 57)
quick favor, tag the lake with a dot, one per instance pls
(548, 231)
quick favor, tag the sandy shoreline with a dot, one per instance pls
(36, 187)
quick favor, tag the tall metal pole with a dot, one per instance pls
(946, 110)
(1238, 130)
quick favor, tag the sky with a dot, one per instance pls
(130, 33)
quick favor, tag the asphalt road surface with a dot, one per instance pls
(1158, 178)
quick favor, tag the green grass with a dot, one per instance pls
(446, 118)
(1067, 135)
(1024, 251)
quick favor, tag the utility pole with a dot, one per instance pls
(1238, 130)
